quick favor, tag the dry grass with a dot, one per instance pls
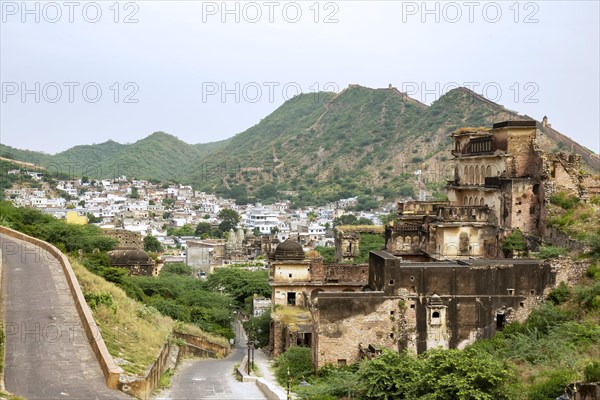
(361, 228)
(471, 129)
(133, 336)
(191, 329)
(291, 316)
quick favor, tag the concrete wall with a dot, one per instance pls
(109, 368)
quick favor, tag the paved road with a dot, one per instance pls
(211, 379)
(47, 353)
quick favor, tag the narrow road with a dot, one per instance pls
(212, 379)
(47, 353)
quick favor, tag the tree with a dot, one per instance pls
(134, 193)
(152, 244)
(514, 242)
(312, 216)
(296, 360)
(229, 219)
(203, 228)
(351, 219)
(390, 376)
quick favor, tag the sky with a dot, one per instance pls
(83, 72)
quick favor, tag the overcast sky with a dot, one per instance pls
(203, 71)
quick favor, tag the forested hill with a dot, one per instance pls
(314, 148)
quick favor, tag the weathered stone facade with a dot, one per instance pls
(502, 182)
(347, 240)
(419, 306)
(127, 239)
(296, 282)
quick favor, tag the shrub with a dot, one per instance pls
(564, 201)
(514, 242)
(297, 361)
(591, 372)
(589, 296)
(552, 387)
(594, 271)
(103, 298)
(560, 294)
(548, 252)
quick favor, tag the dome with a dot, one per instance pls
(129, 257)
(289, 250)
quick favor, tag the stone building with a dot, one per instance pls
(137, 262)
(502, 182)
(441, 280)
(422, 305)
(296, 281)
(203, 255)
(129, 253)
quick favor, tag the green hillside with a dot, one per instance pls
(313, 149)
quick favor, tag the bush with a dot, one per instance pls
(552, 387)
(591, 372)
(514, 242)
(103, 298)
(176, 269)
(297, 361)
(594, 272)
(564, 201)
(548, 252)
(589, 296)
(560, 294)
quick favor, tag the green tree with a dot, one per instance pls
(229, 219)
(515, 242)
(390, 376)
(134, 193)
(240, 283)
(152, 244)
(296, 360)
(203, 228)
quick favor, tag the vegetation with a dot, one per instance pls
(152, 244)
(66, 237)
(328, 254)
(351, 219)
(368, 242)
(313, 149)
(514, 243)
(131, 330)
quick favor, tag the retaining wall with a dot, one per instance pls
(110, 370)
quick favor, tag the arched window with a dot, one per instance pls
(481, 202)
(476, 201)
(488, 171)
(471, 175)
(466, 175)
(466, 201)
(470, 200)
(476, 181)
(435, 314)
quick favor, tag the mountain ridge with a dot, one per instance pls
(315, 147)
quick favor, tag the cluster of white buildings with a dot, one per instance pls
(150, 208)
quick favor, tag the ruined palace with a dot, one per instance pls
(442, 279)
(501, 182)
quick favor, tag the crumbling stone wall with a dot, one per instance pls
(418, 306)
(127, 239)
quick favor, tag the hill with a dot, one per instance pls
(362, 141)
(315, 148)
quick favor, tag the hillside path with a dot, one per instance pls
(47, 353)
